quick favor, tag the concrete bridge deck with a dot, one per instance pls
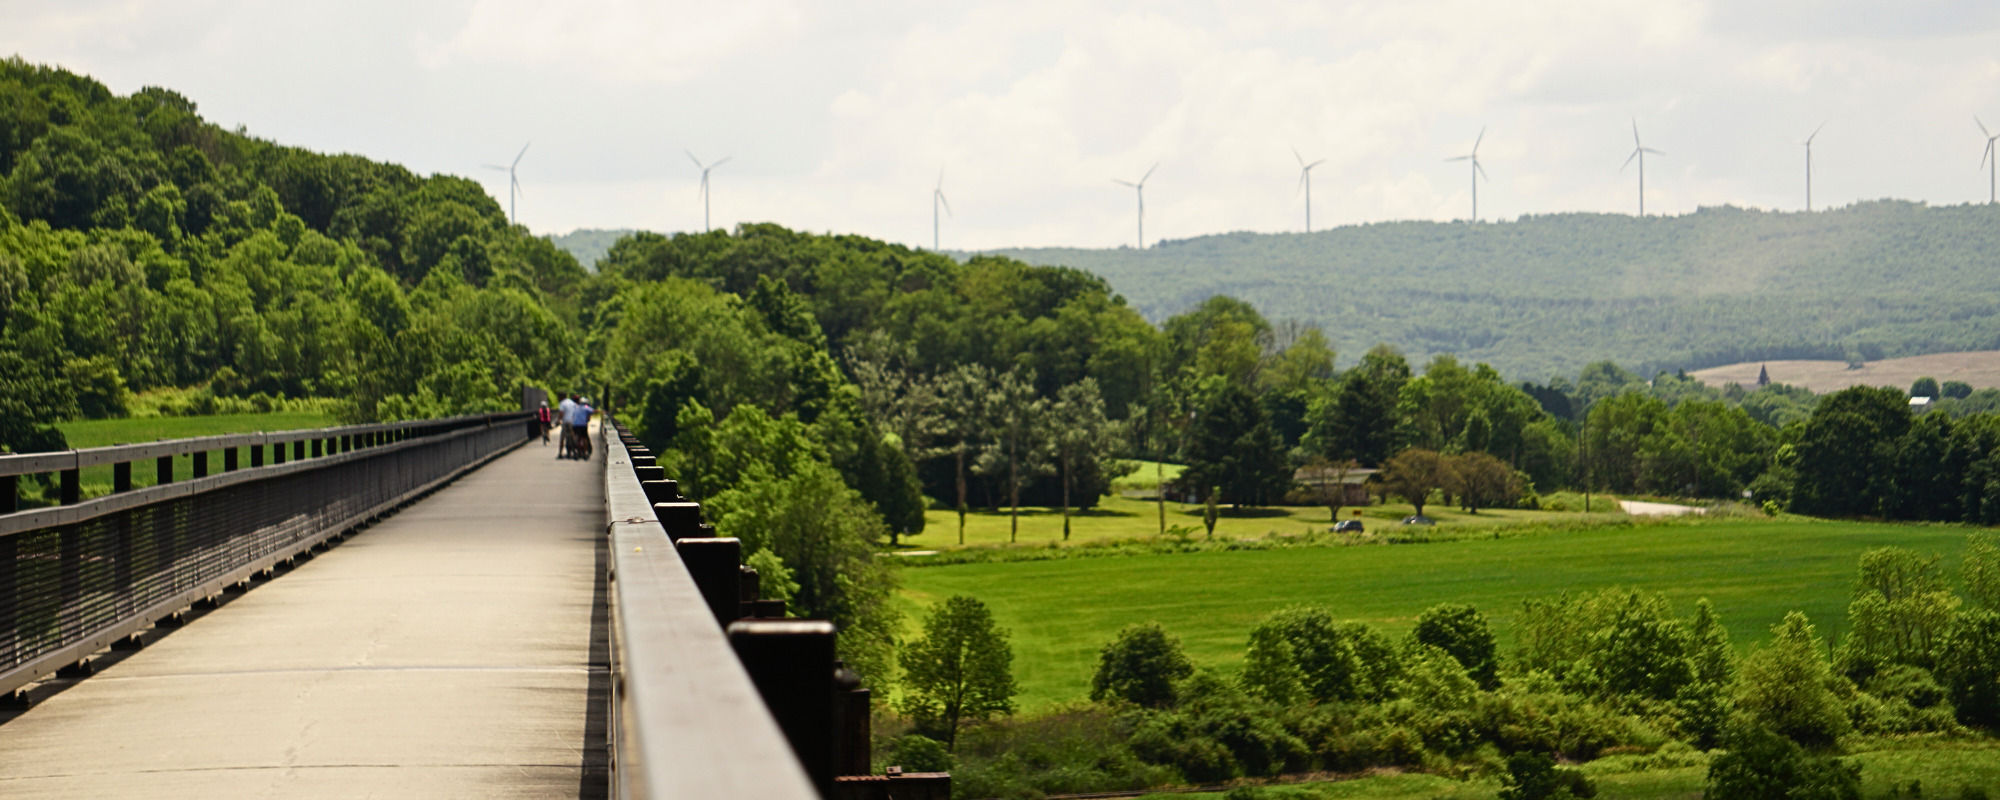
(456, 649)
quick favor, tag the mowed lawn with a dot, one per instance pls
(1754, 570)
(1125, 518)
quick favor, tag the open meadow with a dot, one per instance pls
(96, 481)
(1754, 570)
(1978, 368)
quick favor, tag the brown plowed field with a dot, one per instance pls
(1980, 368)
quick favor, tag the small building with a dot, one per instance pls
(1317, 482)
(1919, 405)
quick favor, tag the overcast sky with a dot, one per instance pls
(840, 116)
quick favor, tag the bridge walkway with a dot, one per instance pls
(455, 649)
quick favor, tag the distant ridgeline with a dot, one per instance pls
(1548, 294)
(588, 245)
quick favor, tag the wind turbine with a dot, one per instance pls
(1639, 151)
(937, 199)
(1988, 159)
(1141, 188)
(1306, 184)
(1809, 139)
(704, 184)
(1477, 171)
(513, 182)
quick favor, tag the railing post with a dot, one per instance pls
(681, 519)
(792, 664)
(713, 563)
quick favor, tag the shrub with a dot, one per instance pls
(1762, 765)
(1535, 776)
(1969, 664)
(919, 753)
(1141, 667)
(1785, 685)
(1461, 631)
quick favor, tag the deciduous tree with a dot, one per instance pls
(959, 670)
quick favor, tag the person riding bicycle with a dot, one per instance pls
(579, 422)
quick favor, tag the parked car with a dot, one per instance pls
(1418, 519)
(1347, 526)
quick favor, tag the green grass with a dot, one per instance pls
(1754, 570)
(102, 432)
(1125, 518)
(96, 481)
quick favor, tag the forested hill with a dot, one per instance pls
(1549, 294)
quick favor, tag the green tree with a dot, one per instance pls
(1142, 666)
(1413, 474)
(1925, 387)
(1969, 666)
(1084, 441)
(1271, 668)
(1901, 607)
(1535, 776)
(1481, 481)
(1358, 418)
(966, 397)
(1231, 446)
(959, 670)
(1019, 451)
(1461, 631)
(1980, 570)
(1786, 686)
(1843, 447)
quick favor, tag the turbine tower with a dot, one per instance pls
(1306, 184)
(1989, 159)
(1477, 171)
(1639, 151)
(704, 184)
(1140, 187)
(937, 200)
(513, 183)
(1808, 143)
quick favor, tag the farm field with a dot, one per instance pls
(96, 481)
(1062, 612)
(1980, 368)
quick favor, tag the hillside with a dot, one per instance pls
(588, 245)
(1548, 294)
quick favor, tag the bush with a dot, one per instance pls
(1535, 776)
(1141, 667)
(919, 753)
(1969, 663)
(1461, 631)
(1785, 686)
(1762, 765)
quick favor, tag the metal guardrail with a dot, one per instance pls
(79, 577)
(686, 718)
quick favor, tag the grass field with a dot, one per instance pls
(96, 481)
(1754, 570)
(1125, 518)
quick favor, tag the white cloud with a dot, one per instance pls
(841, 115)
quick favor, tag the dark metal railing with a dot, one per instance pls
(83, 575)
(687, 719)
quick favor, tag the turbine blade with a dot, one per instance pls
(1457, 158)
(1481, 170)
(1295, 154)
(1651, 150)
(697, 161)
(1149, 173)
(1815, 134)
(1986, 152)
(1315, 164)
(1301, 188)
(1982, 128)
(1635, 133)
(1126, 183)
(940, 183)
(725, 160)
(945, 203)
(1475, 142)
(517, 156)
(494, 166)
(1628, 160)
